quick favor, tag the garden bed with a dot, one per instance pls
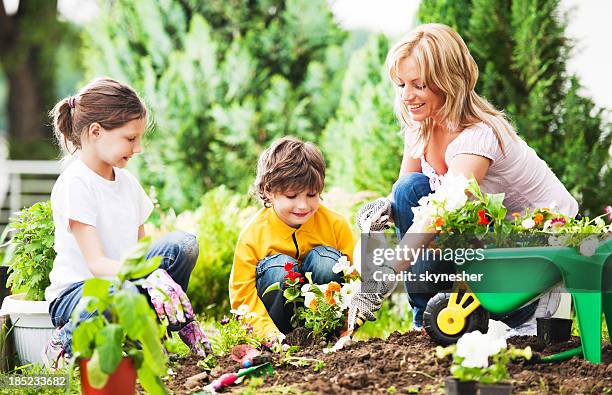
(405, 363)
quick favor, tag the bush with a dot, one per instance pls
(221, 216)
(31, 253)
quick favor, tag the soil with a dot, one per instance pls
(405, 363)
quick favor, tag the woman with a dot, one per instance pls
(450, 129)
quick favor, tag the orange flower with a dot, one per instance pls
(538, 218)
(545, 209)
(329, 292)
(516, 215)
(313, 304)
(439, 221)
(334, 287)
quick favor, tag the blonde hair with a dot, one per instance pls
(446, 66)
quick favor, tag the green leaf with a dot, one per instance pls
(151, 383)
(87, 304)
(291, 294)
(97, 378)
(84, 335)
(100, 289)
(273, 287)
(134, 269)
(109, 343)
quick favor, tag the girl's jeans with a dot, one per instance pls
(179, 252)
(406, 194)
(319, 261)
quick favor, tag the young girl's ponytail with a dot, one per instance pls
(63, 124)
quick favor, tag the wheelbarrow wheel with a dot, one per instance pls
(478, 320)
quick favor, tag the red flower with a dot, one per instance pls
(288, 266)
(291, 275)
(482, 218)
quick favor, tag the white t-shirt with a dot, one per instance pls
(526, 180)
(115, 208)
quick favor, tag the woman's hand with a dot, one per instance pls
(374, 216)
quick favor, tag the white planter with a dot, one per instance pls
(32, 326)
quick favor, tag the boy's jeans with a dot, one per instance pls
(406, 194)
(179, 252)
(319, 261)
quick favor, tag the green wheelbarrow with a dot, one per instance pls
(513, 277)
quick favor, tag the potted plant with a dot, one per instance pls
(471, 369)
(125, 341)
(30, 256)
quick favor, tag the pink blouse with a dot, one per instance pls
(518, 172)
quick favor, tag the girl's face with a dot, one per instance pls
(117, 146)
(295, 208)
(421, 100)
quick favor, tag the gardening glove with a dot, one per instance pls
(374, 216)
(168, 298)
(369, 300)
(193, 336)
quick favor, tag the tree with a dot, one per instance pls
(223, 79)
(521, 50)
(363, 142)
(28, 57)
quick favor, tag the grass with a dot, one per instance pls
(74, 381)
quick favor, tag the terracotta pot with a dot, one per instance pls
(122, 382)
(495, 389)
(452, 386)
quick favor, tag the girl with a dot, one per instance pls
(450, 129)
(99, 209)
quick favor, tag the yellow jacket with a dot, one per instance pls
(266, 234)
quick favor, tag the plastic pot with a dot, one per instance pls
(32, 326)
(121, 382)
(495, 389)
(554, 330)
(4, 290)
(453, 386)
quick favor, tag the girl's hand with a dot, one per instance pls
(193, 336)
(168, 298)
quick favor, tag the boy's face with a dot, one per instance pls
(295, 208)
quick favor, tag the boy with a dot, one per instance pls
(292, 227)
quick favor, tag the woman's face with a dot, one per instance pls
(422, 102)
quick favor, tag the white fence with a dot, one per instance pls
(30, 181)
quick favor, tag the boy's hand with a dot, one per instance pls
(374, 216)
(167, 297)
(193, 336)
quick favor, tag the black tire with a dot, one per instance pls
(477, 321)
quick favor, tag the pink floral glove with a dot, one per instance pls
(193, 336)
(168, 298)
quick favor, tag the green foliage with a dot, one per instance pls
(362, 142)
(521, 51)
(394, 315)
(127, 328)
(223, 79)
(220, 219)
(232, 332)
(31, 252)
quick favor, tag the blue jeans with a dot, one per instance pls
(406, 194)
(319, 261)
(179, 252)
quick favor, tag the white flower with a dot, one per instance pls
(588, 246)
(241, 311)
(599, 222)
(452, 192)
(309, 297)
(347, 292)
(528, 223)
(476, 348)
(343, 265)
